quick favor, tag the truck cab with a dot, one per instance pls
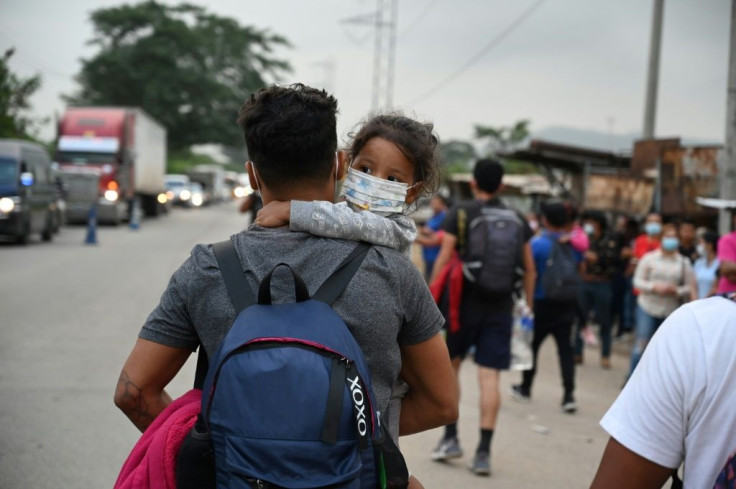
(27, 191)
(125, 148)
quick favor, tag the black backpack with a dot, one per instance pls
(561, 279)
(493, 250)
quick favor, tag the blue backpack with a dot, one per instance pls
(287, 399)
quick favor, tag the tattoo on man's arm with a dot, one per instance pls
(130, 400)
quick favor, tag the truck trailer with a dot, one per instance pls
(126, 148)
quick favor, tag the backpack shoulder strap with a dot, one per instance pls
(237, 288)
(333, 287)
(233, 274)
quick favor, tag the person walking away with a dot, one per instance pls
(688, 240)
(292, 140)
(706, 267)
(623, 302)
(664, 279)
(727, 258)
(602, 262)
(677, 408)
(493, 243)
(555, 301)
(430, 236)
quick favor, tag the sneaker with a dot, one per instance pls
(481, 464)
(447, 449)
(518, 393)
(588, 336)
(605, 363)
(568, 404)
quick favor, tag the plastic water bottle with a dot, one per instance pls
(527, 327)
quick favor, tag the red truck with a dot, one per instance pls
(126, 148)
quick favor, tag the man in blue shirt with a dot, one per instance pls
(552, 316)
(429, 237)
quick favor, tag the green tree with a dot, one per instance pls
(15, 94)
(503, 138)
(457, 156)
(190, 69)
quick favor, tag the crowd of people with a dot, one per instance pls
(326, 258)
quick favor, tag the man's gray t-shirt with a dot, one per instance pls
(386, 305)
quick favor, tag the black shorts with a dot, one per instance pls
(488, 332)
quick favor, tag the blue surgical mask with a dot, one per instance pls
(588, 228)
(670, 243)
(653, 228)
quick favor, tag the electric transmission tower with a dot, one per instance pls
(384, 21)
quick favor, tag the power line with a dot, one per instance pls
(477, 57)
(427, 7)
(31, 60)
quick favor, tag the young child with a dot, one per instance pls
(392, 161)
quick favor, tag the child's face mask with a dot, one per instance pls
(366, 192)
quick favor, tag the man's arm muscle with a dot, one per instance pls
(140, 390)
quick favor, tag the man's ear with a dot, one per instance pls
(251, 175)
(413, 193)
(342, 164)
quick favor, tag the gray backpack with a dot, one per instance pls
(493, 251)
(561, 279)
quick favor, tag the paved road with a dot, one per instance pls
(70, 314)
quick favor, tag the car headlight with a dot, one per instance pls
(111, 195)
(162, 199)
(197, 200)
(7, 204)
(185, 194)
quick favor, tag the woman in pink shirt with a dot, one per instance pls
(727, 257)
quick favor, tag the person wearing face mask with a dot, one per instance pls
(430, 236)
(664, 279)
(706, 267)
(599, 267)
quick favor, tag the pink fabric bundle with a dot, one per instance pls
(152, 462)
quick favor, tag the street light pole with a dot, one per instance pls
(650, 109)
(728, 177)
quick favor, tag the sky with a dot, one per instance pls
(570, 63)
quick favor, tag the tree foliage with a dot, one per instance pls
(503, 138)
(458, 156)
(15, 94)
(190, 69)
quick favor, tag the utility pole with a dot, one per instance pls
(384, 21)
(650, 108)
(728, 178)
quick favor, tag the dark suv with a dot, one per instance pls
(27, 191)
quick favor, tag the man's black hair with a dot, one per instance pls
(712, 237)
(598, 217)
(488, 174)
(556, 212)
(291, 134)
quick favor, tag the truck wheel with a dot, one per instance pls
(48, 231)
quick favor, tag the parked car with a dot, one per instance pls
(177, 189)
(27, 191)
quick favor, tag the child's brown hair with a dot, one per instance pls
(416, 140)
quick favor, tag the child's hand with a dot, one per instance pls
(274, 214)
